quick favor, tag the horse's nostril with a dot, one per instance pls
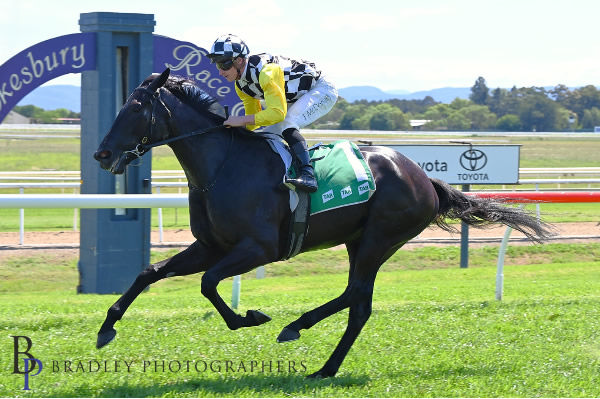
(99, 155)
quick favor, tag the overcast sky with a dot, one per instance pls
(394, 45)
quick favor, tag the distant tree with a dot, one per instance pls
(515, 109)
(437, 112)
(497, 101)
(388, 117)
(428, 101)
(458, 121)
(539, 113)
(479, 116)
(362, 117)
(583, 98)
(40, 115)
(509, 123)
(560, 94)
(361, 123)
(413, 106)
(460, 115)
(479, 92)
(351, 113)
(459, 103)
(30, 111)
(435, 125)
(591, 118)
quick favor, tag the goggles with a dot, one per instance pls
(225, 65)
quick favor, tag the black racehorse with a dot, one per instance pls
(239, 214)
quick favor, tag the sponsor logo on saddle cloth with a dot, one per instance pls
(343, 174)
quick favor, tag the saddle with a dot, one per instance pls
(344, 179)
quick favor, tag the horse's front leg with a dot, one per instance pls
(192, 260)
(240, 260)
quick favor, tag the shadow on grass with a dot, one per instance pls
(222, 386)
(244, 386)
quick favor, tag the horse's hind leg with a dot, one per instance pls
(185, 262)
(366, 258)
(292, 331)
(357, 318)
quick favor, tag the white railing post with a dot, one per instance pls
(537, 205)
(21, 221)
(75, 211)
(500, 264)
(160, 220)
(235, 291)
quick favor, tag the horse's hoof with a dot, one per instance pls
(104, 338)
(287, 335)
(257, 317)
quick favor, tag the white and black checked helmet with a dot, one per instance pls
(228, 47)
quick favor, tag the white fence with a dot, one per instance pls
(96, 201)
(71, 180)
(93, 201)
(90, 201)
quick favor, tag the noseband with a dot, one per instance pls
(145, 145)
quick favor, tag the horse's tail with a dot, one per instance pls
(485, 212)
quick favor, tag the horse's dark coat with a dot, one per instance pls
(238, 214)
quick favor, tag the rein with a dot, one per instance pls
(144, 146)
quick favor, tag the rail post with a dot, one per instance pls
(21, 221)
(464, 237)
(537, 206)
(160, 220)
(236, 289)
(75, 213)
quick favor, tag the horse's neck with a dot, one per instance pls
(197, 154)
(200, 156)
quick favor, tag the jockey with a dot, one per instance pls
(295, 93)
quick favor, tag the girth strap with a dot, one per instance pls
(298, 225)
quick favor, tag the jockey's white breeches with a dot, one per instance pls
(314, 104)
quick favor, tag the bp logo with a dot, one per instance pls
(473, 159)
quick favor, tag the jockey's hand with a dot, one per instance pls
(234, 121)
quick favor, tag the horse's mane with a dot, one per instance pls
(188, 92)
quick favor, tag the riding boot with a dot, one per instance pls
(305, 179)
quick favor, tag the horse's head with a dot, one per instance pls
(137, 124)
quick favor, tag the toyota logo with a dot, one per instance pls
(473, 159)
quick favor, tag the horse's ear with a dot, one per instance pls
(160, 80)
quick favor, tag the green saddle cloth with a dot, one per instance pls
(343, 175)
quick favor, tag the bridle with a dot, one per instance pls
(146, 144)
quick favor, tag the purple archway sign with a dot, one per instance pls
(76, 52)
(42, 62)
(189, 60)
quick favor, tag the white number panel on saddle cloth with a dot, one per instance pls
(343, 175)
